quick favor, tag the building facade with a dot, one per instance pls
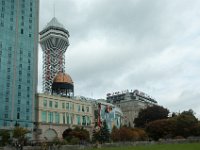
(130, 102)
(18, 61)
(55, 114)
(54, 43)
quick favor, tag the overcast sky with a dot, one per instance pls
(149, 45)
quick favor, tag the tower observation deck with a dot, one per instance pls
(54, 43)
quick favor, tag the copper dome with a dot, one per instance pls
(62, 78)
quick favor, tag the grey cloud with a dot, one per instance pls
(117, 45)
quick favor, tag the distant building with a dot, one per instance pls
(130, 103)
(18, 62)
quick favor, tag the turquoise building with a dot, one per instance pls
(18, 62)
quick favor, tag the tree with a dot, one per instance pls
(164, 128)
(104, 133)
(66, 134)
(5, 135)
(19, 133)
(195, 130)
(115, 134)
(182, 125)
(76, 134)
(185, 122)
(149, 114)
(128, 134)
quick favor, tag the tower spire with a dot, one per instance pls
(54, 9)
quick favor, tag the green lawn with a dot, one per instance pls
(192, 146)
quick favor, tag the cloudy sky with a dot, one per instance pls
(149, 45)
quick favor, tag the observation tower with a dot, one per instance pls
(54, 43)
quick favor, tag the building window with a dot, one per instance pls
(29, 54)
(28, 74)
(83, 120)
(87, 109)
(88, 120)
(67, 106)
(2, 24)
(79, 108)
(44, 116)
(2, 15)
(5, 116)
(44, 103)
(11, 28)
(19, 94)
(22, 31)
(68, 119)
(50, 117)
(83, 109)
(56, 104)
(18, 115)
(72, 106)
(63, 105)
(6, 108)
(7, 99)
(57, 117)
(78, 120)
(63, 118)
(50, 104)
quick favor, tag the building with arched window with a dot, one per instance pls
(59, 113)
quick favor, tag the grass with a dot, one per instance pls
(190, 146)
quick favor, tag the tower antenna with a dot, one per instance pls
(54, 8)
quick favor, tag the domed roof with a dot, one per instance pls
(54, 23)
(63, 78)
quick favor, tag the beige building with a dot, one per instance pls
(130, 102)
(54, 114)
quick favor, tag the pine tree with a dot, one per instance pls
(104, 133)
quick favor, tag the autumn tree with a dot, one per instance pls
(195, 130)
(77, 133)
(164, 128)
(115, 134)
(181, 125)
(128, 134)
(185, 122)
(149, 114)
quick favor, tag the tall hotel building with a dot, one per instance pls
(18, 62)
